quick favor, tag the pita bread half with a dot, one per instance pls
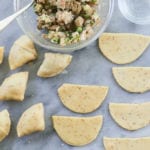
(133, 79)
(5, 124)
(22, 52)
(127, 143)
(1, 54)
(123, 48)
(54, 64)
(14, 86)
(82, 98)
(32, 120)
(130, 116)
(77, 131)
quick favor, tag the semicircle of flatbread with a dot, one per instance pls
(32, 120)
(77, 131)
(5, 124)
(82, 98)
(133, 79)
(142, 143)
(130, 116)
(54, 64)
(22, 52)
(123, 48)
(14, 87)
(1, 54)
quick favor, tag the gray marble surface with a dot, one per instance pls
(88, 67)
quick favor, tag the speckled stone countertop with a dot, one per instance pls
(88, 67)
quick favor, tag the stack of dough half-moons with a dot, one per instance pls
(133, 79)
(77, 131)
(127, 143)
(130, 116)
(123, 48)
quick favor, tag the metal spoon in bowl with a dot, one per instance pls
(5, 22)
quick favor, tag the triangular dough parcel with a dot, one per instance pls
(22, 51)
(133, 79)
(77, 131)
(54, 64)
(123, 48)
(32, 120)
(127, 143)
(5, 124)
(1, 54)
(130, 116)
(14, 86)
(82, 98)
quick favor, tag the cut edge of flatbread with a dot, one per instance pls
(130, 116)
(53, 64)
(129, 78)
(123, 48)
(82, 98)
(5, 123)
(126, 143)
(14, 87)
(1, 54)
(32, 120)
(77, 131)
(22, 52)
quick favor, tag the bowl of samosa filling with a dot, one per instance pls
(65, 25)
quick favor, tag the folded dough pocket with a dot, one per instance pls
(14, 86)
(77, 131)
(82, 98)
(54, 64)
(123, 48)
(1, 54)
(127, 143)
(133, 79)
(22, 51)
(32, 120)
(131, 116)
(5, 124)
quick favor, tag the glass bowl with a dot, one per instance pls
(136, 11)
(28, 24)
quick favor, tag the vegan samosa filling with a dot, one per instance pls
(66, 21)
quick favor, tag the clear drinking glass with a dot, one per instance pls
(136, 11)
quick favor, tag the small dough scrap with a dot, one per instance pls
(14, 87)
(54, 64)
(133, 79)
(127, 143)
(22, 52)
(77, 131)
(130, 116)
(5, 124)
(123, 48)
(82, 98)
(32, 120)
(1, 54)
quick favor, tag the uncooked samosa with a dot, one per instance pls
(22, 51)
(14, 87)
(5, 124)
(54, 64)
(32, 120)
(1, 54)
